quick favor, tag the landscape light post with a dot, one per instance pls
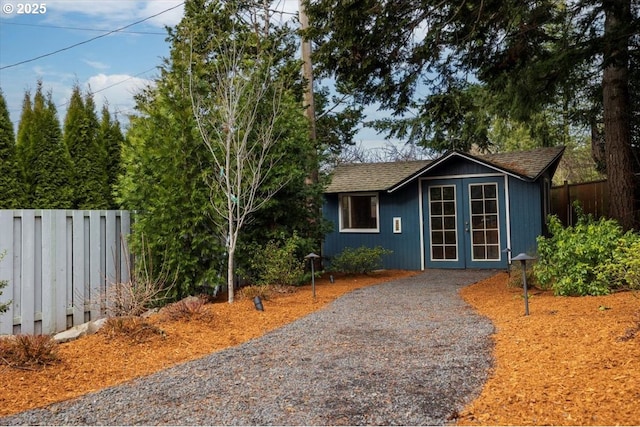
(312, 257)
(523, 258)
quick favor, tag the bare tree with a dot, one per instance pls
(236, 118)
(390, 152)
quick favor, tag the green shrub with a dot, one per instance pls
(584, 259)
(278, 263)
(624, 273)
(362, 260)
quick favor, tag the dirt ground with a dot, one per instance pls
(572, 361)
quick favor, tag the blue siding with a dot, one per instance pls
(405, 245)
(525, 203)
(459, 166)
(526, 220)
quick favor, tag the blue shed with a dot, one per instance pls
(457, 211)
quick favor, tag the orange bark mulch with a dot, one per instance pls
(572, 361)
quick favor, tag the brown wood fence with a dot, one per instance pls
(593, 196)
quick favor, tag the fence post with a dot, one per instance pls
(567, 203)
(6, 269)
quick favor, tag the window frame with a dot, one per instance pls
(444, 245)
(344, 229)
(484, 216)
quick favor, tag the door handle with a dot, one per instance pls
(466, 226)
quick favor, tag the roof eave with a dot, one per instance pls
(552, 164)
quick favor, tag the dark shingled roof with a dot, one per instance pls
(372, 176)
(355, 177)
(529, 164)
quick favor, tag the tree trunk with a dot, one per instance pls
(230, 255)
(231, 250)
(616, 105)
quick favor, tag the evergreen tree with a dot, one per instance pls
(11, 192)
(52, 166)
(45, 161)
(163, 180)
(111, 139)
(24, 150)
(413, 56)
(88, 155)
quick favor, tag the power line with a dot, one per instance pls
(155, 33)
(90, 40)
(93, 92)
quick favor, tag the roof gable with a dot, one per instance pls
(390, 176)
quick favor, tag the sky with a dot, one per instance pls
(68, 42)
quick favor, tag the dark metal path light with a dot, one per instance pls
(523, 258)
(312, 257)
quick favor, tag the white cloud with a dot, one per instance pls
(116, 89)
(114, 13)
(170, 18)
(97, 65)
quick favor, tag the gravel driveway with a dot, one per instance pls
(407, 352)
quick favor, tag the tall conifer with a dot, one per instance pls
(24, 151)
(48, 170)
(88, 156)
(111, 139)
(11, 193)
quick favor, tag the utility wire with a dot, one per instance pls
(90, 40)
(155, 33)
(93, 92)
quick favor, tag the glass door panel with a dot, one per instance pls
(443, 229)
(485, 226)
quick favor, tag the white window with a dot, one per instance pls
(359, 213)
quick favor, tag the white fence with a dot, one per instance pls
(58, 264)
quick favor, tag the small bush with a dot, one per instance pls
(187, 309)
(28, 351)
(278, 264)
(362, 260)
(145, 289)
(135, 329)
(590, 258)
(252, 291)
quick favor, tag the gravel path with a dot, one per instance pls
(407, 352)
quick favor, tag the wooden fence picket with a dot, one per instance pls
(59, 264)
